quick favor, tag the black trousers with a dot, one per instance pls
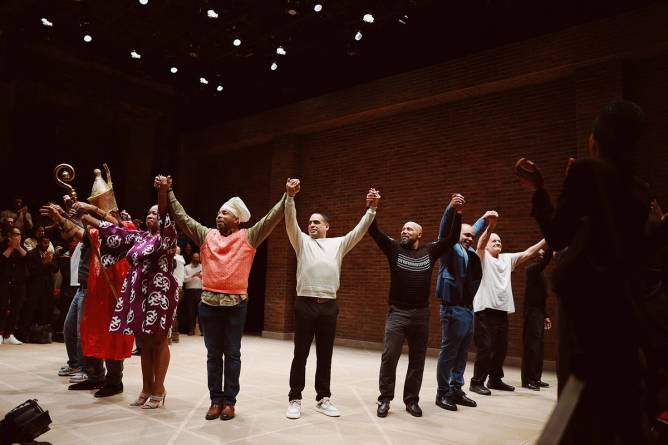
(11, 302)
(490, 334)
(313, 319)
(191, 299)
(532, 335)
(37, 307)
(413, 326)
(95, 370)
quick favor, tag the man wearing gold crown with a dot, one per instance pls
(92, 307)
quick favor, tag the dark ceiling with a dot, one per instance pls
(322, 53)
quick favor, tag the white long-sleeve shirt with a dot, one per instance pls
(319, 260)
(191, 281)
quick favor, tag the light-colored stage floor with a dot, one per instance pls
(30, 371)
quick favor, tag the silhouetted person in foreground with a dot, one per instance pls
(598, 218)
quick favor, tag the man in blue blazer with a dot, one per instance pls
(458, 280)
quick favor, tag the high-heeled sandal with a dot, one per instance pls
(154, 401)
(141, 399)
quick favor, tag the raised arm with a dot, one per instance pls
(531, 252)
(68, 229)
(452, 224)
(355, 236)
(263, 228)
(292, 187)
(484, 239)
(167, 230)
(193, 230)
(383, 241)
(481, 223)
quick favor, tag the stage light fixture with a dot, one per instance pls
(273, 66)
(212, 14)
(368, 18)
(143, 2)
(317, 7)
(203, 81)
(46, 22)
(358, 35)
(236, 42)
(173, 70)
(135, 55)
(87, 38)
(219, 88)
(280, 51)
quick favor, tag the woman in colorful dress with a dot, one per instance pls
(148, 298)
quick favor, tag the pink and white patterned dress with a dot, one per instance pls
(149, 295)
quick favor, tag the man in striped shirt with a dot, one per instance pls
(408, 318)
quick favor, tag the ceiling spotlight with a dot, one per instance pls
(368, 18)
(317, 7)
(46, 22)
(219, 88)
(143, 2)
(203, 81)
(236, 42)
(212, 14)
(135, 55)
(173, 70)
(88, 38)
(280, 51)
(274, 66)
(404, 19)
(358, 36)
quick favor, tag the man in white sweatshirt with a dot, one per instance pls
(318, 269)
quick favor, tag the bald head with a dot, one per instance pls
(466, 236)
(411, 234)
(494, 245)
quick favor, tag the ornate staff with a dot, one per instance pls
(64, 174)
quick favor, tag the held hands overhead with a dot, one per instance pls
(163, 183)
(293, 185)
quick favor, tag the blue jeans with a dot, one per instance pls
(456, 336)
(223, 327)
(71, 329)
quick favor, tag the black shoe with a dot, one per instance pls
(479, 389)
(383, 408)
(542, 384)
(86, 385)
(414, 409)
(109, 390)
(499, 385)
(532, 386)
(446, 403)
(464, 401)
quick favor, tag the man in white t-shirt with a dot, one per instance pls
(492, 304)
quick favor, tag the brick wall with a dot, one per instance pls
(420, 136)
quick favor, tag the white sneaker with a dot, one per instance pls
(12, 341)
(79, 377)
(326, 407)
(67, 371)
(294, 409)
